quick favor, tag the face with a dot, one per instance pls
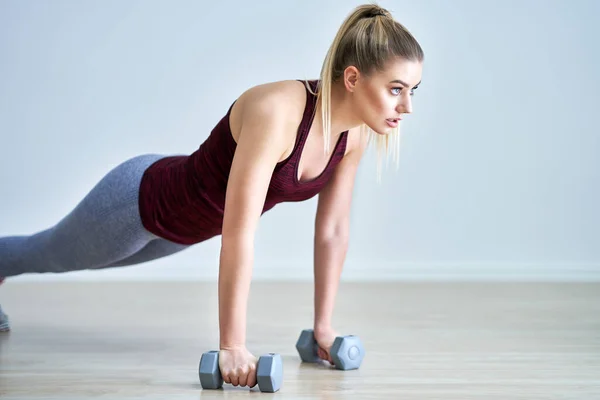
(382, 98)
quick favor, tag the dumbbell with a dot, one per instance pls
(347, 352)
(269, 372)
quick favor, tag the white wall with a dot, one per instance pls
(499, 177)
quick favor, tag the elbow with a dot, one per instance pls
(236, 249)
(337, 232)
(233, 240)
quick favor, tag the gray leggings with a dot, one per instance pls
(104, 230)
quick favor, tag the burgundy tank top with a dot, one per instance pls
(182, 197)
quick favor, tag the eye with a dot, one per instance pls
(399, 90)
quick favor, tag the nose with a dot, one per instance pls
(404, 105)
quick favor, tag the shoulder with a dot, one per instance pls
(279, 100)
(279, 104)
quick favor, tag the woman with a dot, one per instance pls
(280, 141)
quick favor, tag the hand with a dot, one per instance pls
(238, 366)
(325, 336)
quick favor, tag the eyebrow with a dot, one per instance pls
(403, 83)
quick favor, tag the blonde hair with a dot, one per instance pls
(367, 39)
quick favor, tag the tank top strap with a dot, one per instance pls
(307, 117)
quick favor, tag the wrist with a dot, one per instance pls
(232, 346)
(322, 326)
(232, 338)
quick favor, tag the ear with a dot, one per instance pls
(351, 75)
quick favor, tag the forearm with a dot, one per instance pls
(235, 274)
(329, 256)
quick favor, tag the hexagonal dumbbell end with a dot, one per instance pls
(307, 346)
(347, 352)
(209, 372)
(269, 373)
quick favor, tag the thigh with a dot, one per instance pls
(155, 249)
(105, 226)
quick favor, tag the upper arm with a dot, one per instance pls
(261, 143)
(334, 201)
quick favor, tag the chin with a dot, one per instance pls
(380, 128)
(380, 131)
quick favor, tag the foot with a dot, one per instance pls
(4, 325)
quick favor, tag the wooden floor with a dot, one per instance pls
(423, 340)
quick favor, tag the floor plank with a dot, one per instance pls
(423, 340)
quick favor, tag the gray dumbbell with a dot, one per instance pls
(347, 352)
(269, 372)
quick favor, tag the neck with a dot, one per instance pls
(343, 116)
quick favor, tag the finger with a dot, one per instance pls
(252, 377)
(324, 354)
(242, 376)
(225, 376)
(320, 353)
(234, 379)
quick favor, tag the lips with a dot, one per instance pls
(393, 122)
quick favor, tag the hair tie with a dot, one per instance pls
(378, 13)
